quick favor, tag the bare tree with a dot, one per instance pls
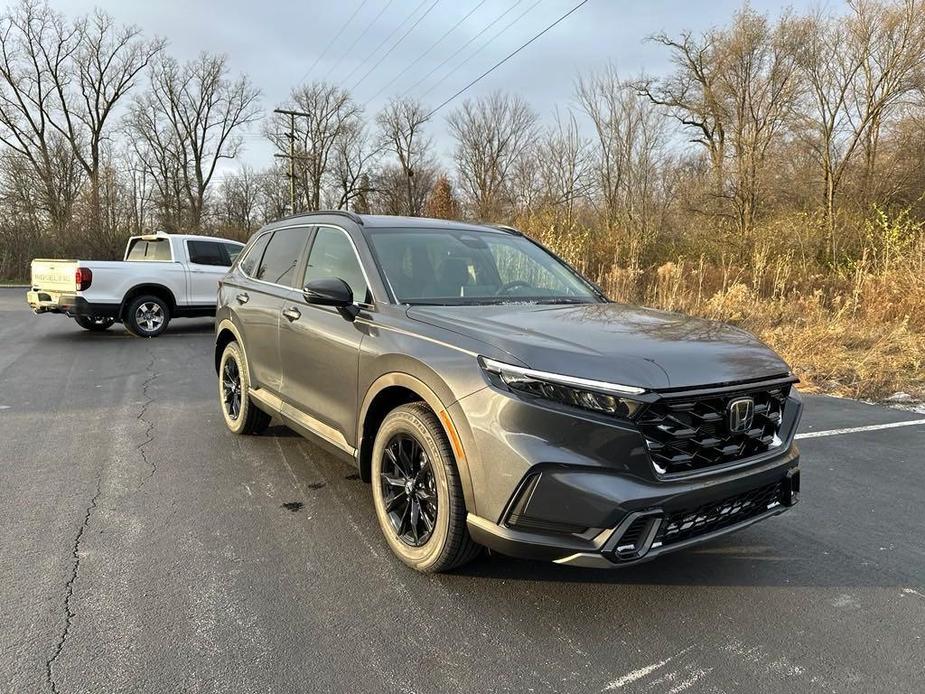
(492, 133)
(36, 44)
(205, 109)
(858, 71)
(736, 90)
(564, 164)
(355, 156)
(401, 125)
(106, 66)
(632, 152)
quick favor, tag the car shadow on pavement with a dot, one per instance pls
(732, 562)
(117, 332)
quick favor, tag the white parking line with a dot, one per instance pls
(853, 430)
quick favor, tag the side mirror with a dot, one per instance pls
(331, 291)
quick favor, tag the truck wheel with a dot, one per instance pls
(147, 316)
(95, 324)
(241, 415)
(417, 492)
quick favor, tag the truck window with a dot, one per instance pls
(233, 250)
(139, 249)
(207, 253)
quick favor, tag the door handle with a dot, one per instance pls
(242, 298)
(292, 313)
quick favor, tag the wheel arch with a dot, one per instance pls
(392, 390)
(159, 290)
(227, 332)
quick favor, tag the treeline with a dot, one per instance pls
(801, 131)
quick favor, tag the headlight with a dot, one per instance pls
(597, 396)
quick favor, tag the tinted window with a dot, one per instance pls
(332, 255)
(254, 253)
(450, 266)
(207, 253)
(233, 250)
(149, 250)
(281, 257)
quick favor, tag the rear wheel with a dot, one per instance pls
(241, 415)
(96, 324)
(147, 316)
(417, 492)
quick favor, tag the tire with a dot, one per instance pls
(448, 544)
(95, 324)
(247, 418)
(147, 316)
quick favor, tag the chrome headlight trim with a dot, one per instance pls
(498, 367)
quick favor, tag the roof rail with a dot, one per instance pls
(353, 217)
(506, 227)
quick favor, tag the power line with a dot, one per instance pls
(395, 45)
(427, 52)
(480, 49)
(333, 39)
(462, 48)
(358, 39)
(384, 41)
(508, 57)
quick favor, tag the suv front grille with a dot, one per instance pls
(709, 518)
(686, 433)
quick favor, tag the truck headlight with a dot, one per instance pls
(597, 396)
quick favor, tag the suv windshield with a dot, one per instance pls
(447, 266)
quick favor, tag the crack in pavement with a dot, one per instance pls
(75, 552)
(69, 587)
(149, 431)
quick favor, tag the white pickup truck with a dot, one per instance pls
(163, 276)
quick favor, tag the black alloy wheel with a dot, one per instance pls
(231, 389)
(409, 490)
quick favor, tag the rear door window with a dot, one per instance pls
(140, 249)
(208, 253)
(282, 256)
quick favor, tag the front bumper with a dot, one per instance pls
(566, 486)
(650, 525)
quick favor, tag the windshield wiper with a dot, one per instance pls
(563, 300)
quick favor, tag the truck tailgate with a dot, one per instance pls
(54, 275)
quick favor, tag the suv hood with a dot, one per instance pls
(613, 342)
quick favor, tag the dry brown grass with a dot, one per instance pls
(855, 329)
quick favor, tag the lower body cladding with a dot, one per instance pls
(598, 502)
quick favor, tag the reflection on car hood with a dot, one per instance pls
(613, 342)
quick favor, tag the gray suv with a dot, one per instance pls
(494, 397)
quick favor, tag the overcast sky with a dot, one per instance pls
(278, 44)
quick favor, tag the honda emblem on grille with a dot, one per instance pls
(741, 413)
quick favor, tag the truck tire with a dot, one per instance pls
(240, 413)
(417, 492)
(95, 324)
(147, 316)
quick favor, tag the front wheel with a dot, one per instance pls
(147, 316)
(417, 493)
(95, 324)
(241, 415)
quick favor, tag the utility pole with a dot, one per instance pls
(291, 156)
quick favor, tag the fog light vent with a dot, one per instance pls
(633, 538)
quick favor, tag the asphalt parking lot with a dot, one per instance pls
(145, 548)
